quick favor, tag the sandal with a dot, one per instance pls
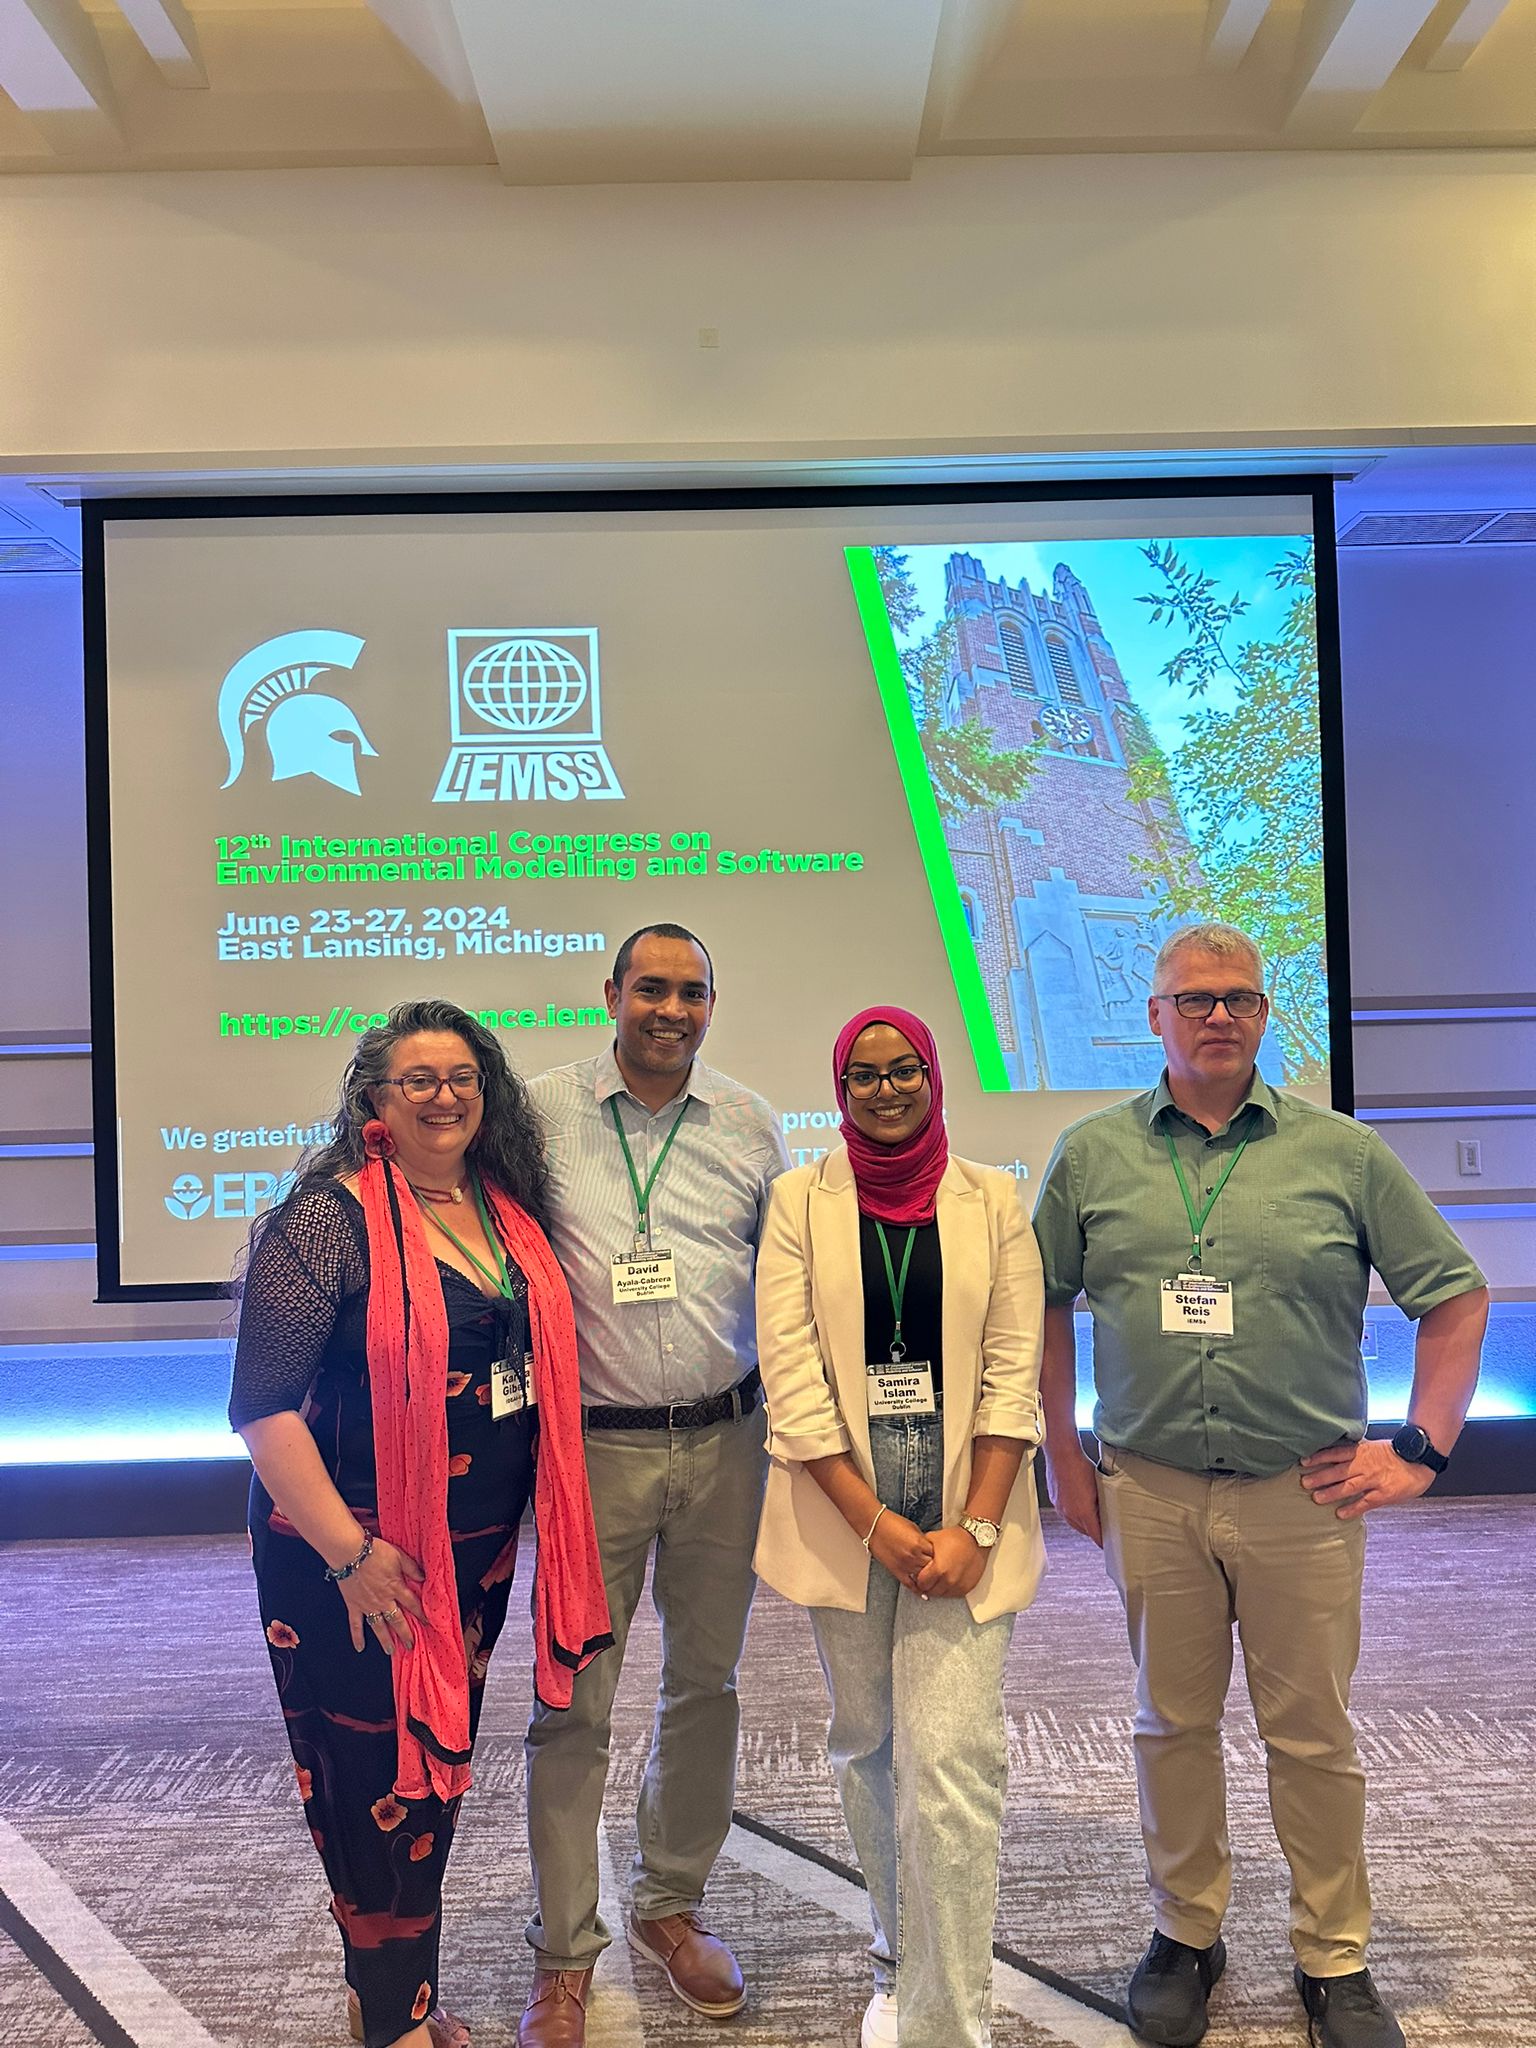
(446, 2029)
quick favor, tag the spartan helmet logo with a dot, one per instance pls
(308, 733)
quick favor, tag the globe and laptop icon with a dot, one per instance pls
(524, 685)
(525, 718)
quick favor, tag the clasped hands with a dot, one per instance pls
(945, 1564)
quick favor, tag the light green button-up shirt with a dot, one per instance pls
(1314, 1203)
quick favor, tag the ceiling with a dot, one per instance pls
(616, 91)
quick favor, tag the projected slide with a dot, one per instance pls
(975, 758)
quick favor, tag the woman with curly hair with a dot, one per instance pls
(405, 1337)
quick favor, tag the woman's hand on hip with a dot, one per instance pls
(958, 1561)
(901, 1547)
(380, 1595)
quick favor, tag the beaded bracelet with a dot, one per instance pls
(337, 1572)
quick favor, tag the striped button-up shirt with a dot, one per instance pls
(706, 1208)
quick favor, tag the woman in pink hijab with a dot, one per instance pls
(899, 1305)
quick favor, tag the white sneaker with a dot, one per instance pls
(879, 2027)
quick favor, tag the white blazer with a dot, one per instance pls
(810, 1339)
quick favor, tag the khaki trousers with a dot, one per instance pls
(696, 1496)
(1190, 1554)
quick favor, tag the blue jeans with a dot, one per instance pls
(919, 1746)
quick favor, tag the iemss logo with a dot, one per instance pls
(525, 718)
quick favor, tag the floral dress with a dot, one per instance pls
(301, 1347)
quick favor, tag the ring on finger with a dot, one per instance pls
(390, 1614)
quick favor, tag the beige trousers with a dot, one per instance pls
(693, 1496)
(1190, 1554)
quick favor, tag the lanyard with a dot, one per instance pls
(1197, 1221)
(897, 1287)
(500, 1279)
(643, 1194)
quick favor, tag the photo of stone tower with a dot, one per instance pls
(1102, 740)
(1065, 887)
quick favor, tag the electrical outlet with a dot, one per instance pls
(1368, 1341)
(709, 337)
(1469, 1155)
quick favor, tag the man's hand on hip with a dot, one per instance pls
(1073, 1486)
(1354, 1478)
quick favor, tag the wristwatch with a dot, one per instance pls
(1413, 1445)
(985, 1533)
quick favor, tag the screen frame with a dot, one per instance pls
(98, 513)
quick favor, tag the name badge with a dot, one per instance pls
(644, 1276)
(904, 1389)
(512, 1387)
(1193, 1302)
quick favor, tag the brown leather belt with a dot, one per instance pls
(727, 1407)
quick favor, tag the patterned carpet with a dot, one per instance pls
(150, 1840)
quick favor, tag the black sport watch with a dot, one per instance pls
(1412, 1444)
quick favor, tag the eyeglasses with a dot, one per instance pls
(1199, 1002)
(906, 1078)
(466, 1083)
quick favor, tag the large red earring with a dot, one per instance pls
(377, 1142)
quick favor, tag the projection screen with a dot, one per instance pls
(971, 752)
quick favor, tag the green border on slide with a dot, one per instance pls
(926, 823)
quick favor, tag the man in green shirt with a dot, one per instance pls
(1223, 1232)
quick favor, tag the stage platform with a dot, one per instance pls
(158, 1890)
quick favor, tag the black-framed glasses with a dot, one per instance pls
(1199, 1002)
(906, 1077)
(466, 1083)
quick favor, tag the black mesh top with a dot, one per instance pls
(304, 1334)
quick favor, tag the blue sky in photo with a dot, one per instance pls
(1116, 574)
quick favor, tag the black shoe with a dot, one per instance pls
(1347, 2012)
(1169, 1987)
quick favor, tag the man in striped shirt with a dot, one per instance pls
(659, 1176)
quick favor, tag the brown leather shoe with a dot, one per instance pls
(556, 2013)
(700, 1967)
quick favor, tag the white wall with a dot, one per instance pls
(1439, 658)
(44, 984)
(1439, 663)
(179, 319)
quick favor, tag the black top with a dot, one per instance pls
(922, 1305)
(302, 1346)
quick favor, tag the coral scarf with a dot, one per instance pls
(896, 1183)
(408, 1373)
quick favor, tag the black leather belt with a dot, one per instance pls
(727, 1407)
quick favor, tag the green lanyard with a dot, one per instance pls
(500, 1279)
(1197, 1222)
(898, 1287)
(643, 1194)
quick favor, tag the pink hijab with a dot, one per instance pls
(896, 1183)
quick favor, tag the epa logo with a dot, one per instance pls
(186, 1201)
(525, 718)
(239, 1195)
